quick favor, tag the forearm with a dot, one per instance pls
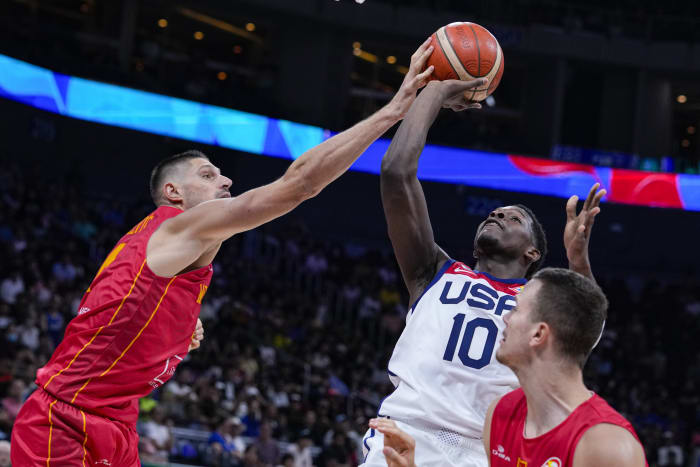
(406, 147)
(322, 164)
(582, 267)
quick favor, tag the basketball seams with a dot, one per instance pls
(497, 67)
(478, 50)
(451, 55)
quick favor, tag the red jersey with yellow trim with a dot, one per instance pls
(555, 448)
(132, 329)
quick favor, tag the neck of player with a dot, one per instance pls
(553, 391)
(501, 266)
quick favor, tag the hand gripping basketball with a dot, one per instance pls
(453, 93)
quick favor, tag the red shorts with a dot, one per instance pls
(50, 432)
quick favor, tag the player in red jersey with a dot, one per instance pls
(137, 320)
(553, 420)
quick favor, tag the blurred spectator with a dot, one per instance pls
(267, 448)
(4, 454)
(156, 440)
(11, 287)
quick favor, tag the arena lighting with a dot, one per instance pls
(250, 27)
(163, 23)
(198, 35)
(681, 99)
(360, 1)
(685, 143)
(122, 107)
(490, 101)
(391, 59)
(221, 76)
(690, 130)
(356, 45)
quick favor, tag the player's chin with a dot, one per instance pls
(501, 356)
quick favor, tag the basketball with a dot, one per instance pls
(467, 51)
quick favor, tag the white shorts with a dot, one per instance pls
(433, 448)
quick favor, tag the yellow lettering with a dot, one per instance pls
(202, 290)
(109, 260)
(140, 226)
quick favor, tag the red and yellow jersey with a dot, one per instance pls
(132, 329)
(555, 448)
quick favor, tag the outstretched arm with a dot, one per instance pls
(404, 203)
(577, 233)
(181, 240)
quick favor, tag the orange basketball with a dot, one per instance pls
(467, 51)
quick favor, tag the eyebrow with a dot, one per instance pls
(209, 166)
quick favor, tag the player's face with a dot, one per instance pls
(514, 346)
(506, 230)
(202, 181)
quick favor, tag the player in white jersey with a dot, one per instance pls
(444, 365)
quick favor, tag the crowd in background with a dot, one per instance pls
(298, 333)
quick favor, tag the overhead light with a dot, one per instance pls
(356, 45)
(360, 1)
(199, 35)
(250, 27)
(681, 99)
(237, 49)
(221, 75)
(685, 143)
(357, 52)
(490, 101)
(691, 130)
(391, 59)
(163, 23)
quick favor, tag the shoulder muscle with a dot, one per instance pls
(607, 445)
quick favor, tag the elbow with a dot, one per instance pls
(393, 170)
(396, 167)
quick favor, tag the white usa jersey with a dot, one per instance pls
(444, 365)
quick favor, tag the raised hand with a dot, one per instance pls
(415, 79)
(197, 336)
(399, 446)
(577, 232)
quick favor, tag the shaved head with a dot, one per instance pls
(167, 169)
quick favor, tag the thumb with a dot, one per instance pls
(458, 87)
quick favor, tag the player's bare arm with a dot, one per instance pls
(486, 437)
(399, 446)
(405, 208)
(607, 445)
(577, 233)
(192, 239)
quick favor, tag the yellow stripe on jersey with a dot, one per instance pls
(99, 330)
(48, 457)
(84, 440)
(130, 343)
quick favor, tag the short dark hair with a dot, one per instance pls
(163, 168)
(574, 307)
(540, 238)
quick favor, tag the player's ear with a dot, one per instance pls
(172, 193)
(540, 334)
(532, 254)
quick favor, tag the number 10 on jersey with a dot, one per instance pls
(469, 356)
